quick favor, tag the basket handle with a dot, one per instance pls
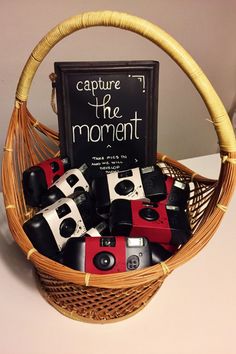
(150, 31)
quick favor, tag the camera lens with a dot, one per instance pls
(54, 166)
(67, 227)
(104, 261)
(149, 214)
(124, 187)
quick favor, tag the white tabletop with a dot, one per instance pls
(194, 311)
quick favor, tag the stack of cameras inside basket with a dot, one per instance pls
(105, 223)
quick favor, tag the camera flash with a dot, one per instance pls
(135, 242)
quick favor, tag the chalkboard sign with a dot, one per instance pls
(107, 113)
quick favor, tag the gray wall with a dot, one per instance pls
(206, 29)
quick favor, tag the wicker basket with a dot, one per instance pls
(108, 298)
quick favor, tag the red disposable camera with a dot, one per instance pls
(109, 254)
(159, 222)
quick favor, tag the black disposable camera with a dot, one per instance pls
(177, 193)
(76, 178)
(49, 229)
(136, 183)
(37, 179)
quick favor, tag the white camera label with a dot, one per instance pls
(137, 193)
(54, 221)
(64, 185)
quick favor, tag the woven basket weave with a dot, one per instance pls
(108, 298)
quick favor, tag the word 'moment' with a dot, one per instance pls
(96, 133)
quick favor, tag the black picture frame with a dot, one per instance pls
(107, 113)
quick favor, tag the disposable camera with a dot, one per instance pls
(37, 179)
(49, 229)
(136, 183)
(159, 222)
(177, 193)
(104, 255)
(76, 178)
(110, 254)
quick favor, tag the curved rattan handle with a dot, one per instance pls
(152, 32)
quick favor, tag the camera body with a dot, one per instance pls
(105, 255)
(177, 193)
(136, 183)
(159, 222)
(49, 229)
(37, 179)
(76, 178)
